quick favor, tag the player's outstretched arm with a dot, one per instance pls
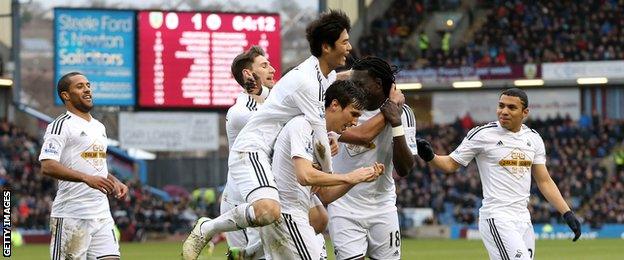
(56, 170)
(328, 195)
(549, 189)
(307, 175)
(441, 162)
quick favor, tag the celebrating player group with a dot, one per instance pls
(314, 153)
(317, 150)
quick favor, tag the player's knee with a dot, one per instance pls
(267, 211)
(318, 219)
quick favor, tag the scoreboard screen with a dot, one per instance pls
(184, 58)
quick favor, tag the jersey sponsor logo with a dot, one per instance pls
(95, 155)
(51, 149)
(517, 163)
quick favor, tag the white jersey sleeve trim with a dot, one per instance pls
(409, 126)
(471, 145)
(54, 139)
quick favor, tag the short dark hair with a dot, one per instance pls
(244, 61)
(64, 82)
(516, 92)
(380, 69)
(326, 29)
(345, 92)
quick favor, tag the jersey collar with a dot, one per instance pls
(331, 77)
(79, 118)
(523, 130)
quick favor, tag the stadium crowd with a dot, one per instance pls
(516, 32)
(390, 31)
(578, 155)
(32, 194)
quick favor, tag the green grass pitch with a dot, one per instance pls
(603, 249)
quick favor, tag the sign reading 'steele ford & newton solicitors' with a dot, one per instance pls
(100, 44)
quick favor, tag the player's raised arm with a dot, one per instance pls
(441, 162)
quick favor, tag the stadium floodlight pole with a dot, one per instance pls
(15, 51)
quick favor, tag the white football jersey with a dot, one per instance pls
(79, 145)
(236, 118)
(295, 140)
(238, 115)
(300, 92)
(376, 197)
(504, 160)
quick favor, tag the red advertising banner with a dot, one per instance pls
(184, 58)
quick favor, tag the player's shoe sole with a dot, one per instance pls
(195, 242)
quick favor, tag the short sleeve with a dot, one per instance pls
(540, 151)
(54, 142)
(466, 151)
(300, 134)
(409, 126)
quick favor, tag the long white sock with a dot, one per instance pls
(254, 248)
(240, 217)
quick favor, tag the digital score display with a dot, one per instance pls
(184, 58)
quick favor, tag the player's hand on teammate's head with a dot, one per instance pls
(391, 112)
(253, 84)
(574, 224)
(396, 96)
(102, 184)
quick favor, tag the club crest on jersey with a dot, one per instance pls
(517, 163)
(95, 155)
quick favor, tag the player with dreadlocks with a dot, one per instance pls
(364, 222)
